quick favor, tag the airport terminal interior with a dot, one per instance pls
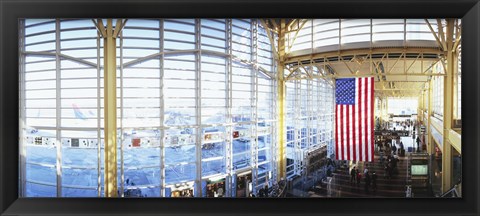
(238, 107)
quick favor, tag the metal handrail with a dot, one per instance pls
(452, 190)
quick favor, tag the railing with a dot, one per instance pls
(278, 190)
(407, 180)
(453, 192)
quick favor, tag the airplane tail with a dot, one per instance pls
(78, 113)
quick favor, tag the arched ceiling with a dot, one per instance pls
(400, 68)
(397, 72)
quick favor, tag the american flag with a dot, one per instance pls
(354, 119)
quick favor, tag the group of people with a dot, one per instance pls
(216, 190)
(370, 179)
(404, 125)
(390, 166)
(391, 149)
(392, 157)
(264, 192)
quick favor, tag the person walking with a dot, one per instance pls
(381, 156)
(353, 175)
(387, 149)
(418, 143)
(374, 181)
(385, 174)
(367, 181)
(359, 177)
(390, 170)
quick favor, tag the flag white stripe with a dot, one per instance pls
(339, 139)
(336, 131)
(350, 130)
(357, 109)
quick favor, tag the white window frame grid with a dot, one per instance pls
(458, 86)
(61, 131)
(299, 97)
(438, 85)
(128, 61)
(330, 34)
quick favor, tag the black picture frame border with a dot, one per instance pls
(11, 11)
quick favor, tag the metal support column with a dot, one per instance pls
(99, 145)
(448, 107)
(228, 100)
(386, 110)
(380, 110)
(429, 140)
(122, 165)
(321, 93)
(22, 113)
(282, 159)
(254, 105)
(109, 34)
(296, 123)
(309, 113)
(420, 108)
(386, 114)
(58, 142)
(275, 144)
(162, 110)
(198, 73)
(380, 106)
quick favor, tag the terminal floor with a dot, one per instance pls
(340, 185)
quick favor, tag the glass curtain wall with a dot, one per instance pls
(320, 35)
(61, 109)
(265, 116)
(437, 97)
(195, 104)
(458, 87)
(309, 120)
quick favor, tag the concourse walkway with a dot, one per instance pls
(391, 188)
(340, 185)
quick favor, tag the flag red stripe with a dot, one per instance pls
(365, 126)
(341, 131)
(354, 134)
